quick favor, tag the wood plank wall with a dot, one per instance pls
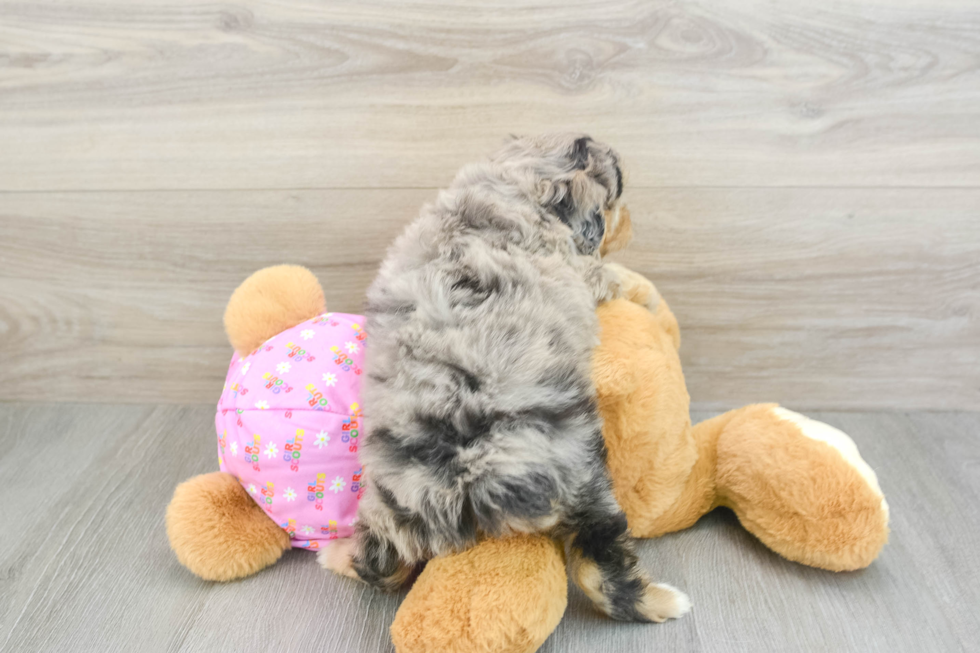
(804, 179)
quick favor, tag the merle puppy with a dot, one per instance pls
(481, 412)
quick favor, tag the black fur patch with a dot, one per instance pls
(595, 538)
(474, 425)
(598, 445)
(377, 562)
(467, 524)
(531, 496)
(471, 380)
(430, 448)
(404, 518)
(552, 418)
(418, 524)
(580, 153)
(473, 291)
(602, 537)
(565, 208)
(590, 233)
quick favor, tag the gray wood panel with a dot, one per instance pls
(85, 566)
(819, 298)
(112, 94)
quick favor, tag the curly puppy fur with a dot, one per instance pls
(483, 415)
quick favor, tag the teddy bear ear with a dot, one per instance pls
(618, 232)
(269, 302)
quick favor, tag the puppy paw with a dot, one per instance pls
(338, 556)
(661, 602)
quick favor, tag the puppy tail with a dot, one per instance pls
(604, 564)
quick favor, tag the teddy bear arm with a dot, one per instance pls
(665, 317)
(218, 531)
(632, 286)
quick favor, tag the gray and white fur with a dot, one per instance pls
(481, 413)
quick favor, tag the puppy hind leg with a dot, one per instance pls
(389, 542)
(605, 566)
(377, 562)
(338, 556)
(367, 556)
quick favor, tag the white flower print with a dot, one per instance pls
(282, 368)
(251, 488)
(234, 448)
(290, 494)
(245, 368)
(262, 405)
(352, 347)
(322, 438)
(330, 379)
(306, 530)
(352, 522)
(271, 450)
(337, 485)
(307, 333)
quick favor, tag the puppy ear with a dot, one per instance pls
(573, 201)
(565, 197)
(580, 153)
(555, 196)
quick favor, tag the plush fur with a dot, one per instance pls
(269, 302)
(619, 231)
(517, 611)
(219, 532)
(757, 460)
(841, 517)
(483, 416)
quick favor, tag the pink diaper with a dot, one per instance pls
(288, 423)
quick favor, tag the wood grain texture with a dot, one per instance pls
(85, 566)
(110, 94)
(809, 297)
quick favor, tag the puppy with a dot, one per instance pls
(481, 413)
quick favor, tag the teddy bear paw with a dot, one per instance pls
(635, 287)
(338, 556)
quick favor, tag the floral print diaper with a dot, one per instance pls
(288, 423)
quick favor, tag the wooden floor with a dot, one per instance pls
(804, 178)
(85, 565)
